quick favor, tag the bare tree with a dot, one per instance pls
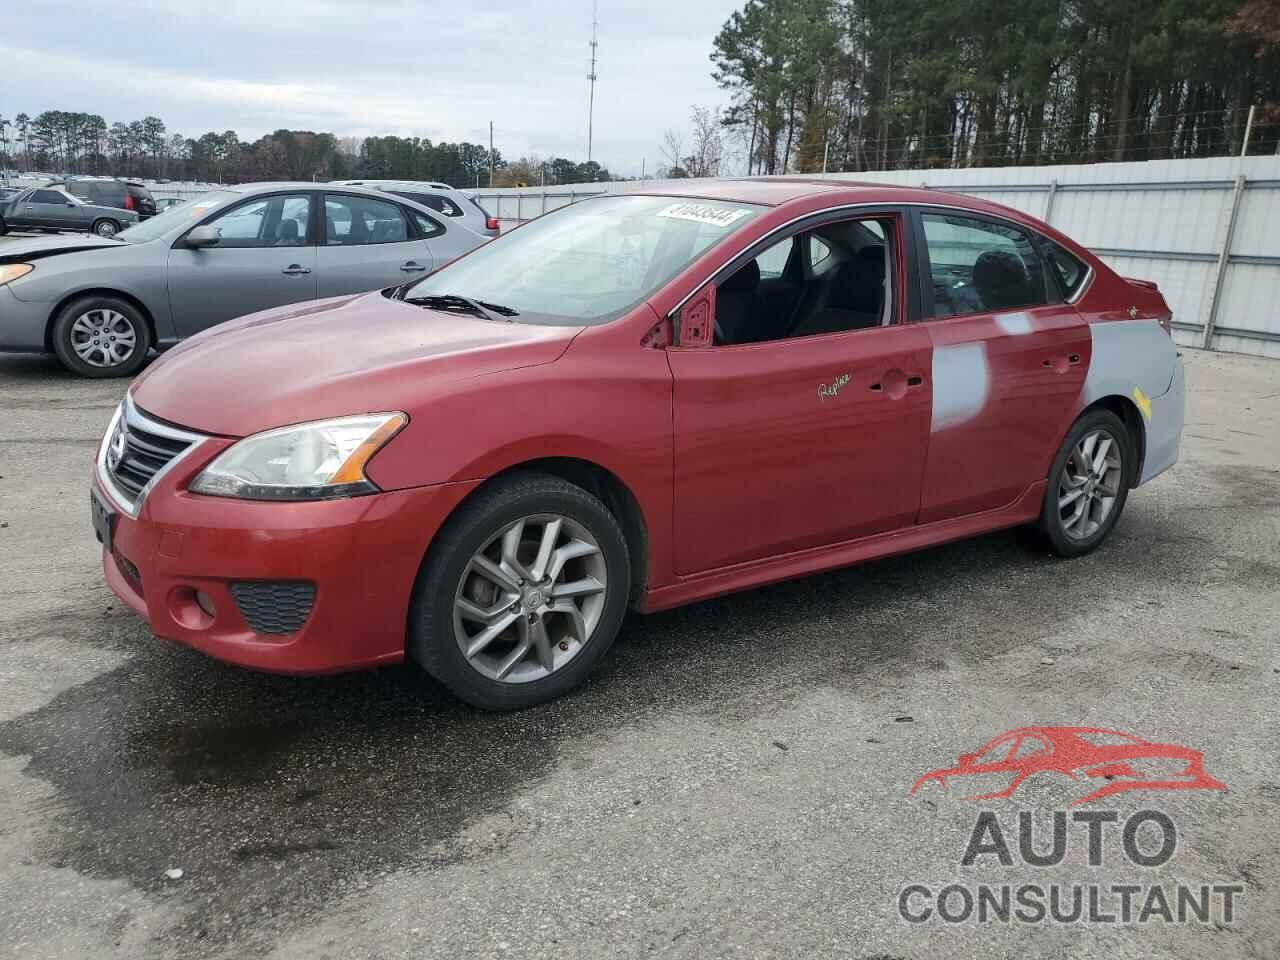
(708, 149)
(673, 153)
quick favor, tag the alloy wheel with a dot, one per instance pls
(1090, 484)
(103, 337)
(530, 598)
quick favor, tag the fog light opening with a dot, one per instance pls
(205, 603)
(191, 608)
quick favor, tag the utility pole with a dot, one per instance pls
(591, 105)
(1248, 129)
(491, 154)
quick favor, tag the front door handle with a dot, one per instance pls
(412, 267)
(295, 270)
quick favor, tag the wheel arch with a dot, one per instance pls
(616, 496)
(1124, 408)
(97, 292)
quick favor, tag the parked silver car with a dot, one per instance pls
(52, 208)
(102, 304)
(442, 198)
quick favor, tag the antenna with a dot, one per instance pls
(591, 108)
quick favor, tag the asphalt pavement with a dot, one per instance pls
(735, 780)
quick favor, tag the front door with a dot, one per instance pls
(803, 439)
(264, 258)
(47, 209)
(1009, 361)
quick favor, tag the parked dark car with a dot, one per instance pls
(109, 192)
(52, 208)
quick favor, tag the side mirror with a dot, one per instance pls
(69, 203)
(201, 237)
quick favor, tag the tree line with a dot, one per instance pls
(59, 141)
(881, 84)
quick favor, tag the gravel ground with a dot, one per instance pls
(734, 782)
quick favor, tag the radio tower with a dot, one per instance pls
(591, 107)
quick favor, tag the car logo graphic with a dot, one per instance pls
(1122, 761)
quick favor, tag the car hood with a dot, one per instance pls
(37, 247)
(331, 358)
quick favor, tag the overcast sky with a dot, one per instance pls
(431, 69)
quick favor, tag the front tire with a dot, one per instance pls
(521, 594)
(1088, 484)
(106, 227)
(101, 337)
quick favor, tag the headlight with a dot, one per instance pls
(308, 461)
(12, 271)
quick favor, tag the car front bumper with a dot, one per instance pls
(22, 323)
(359, 556)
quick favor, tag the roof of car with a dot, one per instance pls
(774, 191)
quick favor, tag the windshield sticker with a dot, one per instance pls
(701, 213)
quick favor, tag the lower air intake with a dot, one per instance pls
(274, 606)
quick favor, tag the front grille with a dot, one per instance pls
(274, 606)
(139, 448)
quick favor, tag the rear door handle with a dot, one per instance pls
(295, 270)
(412, 267)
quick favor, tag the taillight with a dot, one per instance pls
(128, 202)
(491, 223)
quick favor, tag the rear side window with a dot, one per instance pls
(354, 221)
(1068, 270)
(980, 266)
(80, 190)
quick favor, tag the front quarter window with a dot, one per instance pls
(590, 262)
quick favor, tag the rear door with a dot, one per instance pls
(265, 258)
(1009, 361)
(798, 442)
(369, 244)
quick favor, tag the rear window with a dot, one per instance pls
(136, 190)
(1069, 270)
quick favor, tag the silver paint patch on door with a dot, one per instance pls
(1014, 324)
(961, 383)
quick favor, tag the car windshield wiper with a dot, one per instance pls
(489, 311)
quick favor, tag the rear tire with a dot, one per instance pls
(460, 593)
(106, 227)
(1088, 484)
(101, 337)
(4, 227)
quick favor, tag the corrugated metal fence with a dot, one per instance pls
(1207, 231)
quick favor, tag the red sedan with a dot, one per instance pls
(639, 400)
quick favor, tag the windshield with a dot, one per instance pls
(589, 262)
(183, 214)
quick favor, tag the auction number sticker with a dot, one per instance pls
(701, 213)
